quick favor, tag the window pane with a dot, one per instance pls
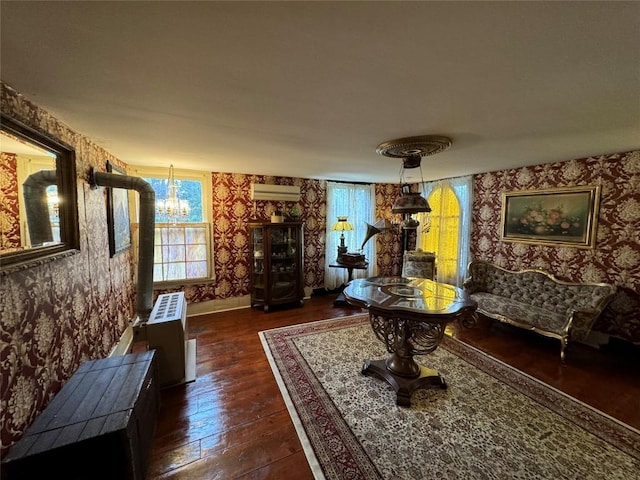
(175, 271)
(175, 254)
(195, 235)
(164, 235)
(197, 269)
(165, 254)
(157, 272)
(187, 190)
(196, 252)
(176, 236)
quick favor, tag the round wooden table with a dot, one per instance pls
(409, 316)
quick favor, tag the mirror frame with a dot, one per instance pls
(67, 192)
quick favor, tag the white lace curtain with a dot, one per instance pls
(356, 202)
(463, 188)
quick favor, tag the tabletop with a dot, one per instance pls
(409, 294)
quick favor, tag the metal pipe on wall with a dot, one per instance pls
(35, 203)
(144, 297)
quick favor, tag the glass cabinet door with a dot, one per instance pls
(257, 264)
(276, 261)
(284, 268)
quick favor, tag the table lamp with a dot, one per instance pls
(341, 226)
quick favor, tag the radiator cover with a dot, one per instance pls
(166, 333)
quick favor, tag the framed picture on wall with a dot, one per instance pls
(118, 215)
(560, 216)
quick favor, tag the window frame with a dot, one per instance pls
(334, 277)
(463, 189)
(207, 213)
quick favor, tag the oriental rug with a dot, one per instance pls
(492, 421)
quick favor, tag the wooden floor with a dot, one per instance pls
(232, 423)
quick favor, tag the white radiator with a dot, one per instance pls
(166, 332)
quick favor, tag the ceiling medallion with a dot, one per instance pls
(412, 149)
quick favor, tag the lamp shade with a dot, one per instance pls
(410, 202)
(342, 225)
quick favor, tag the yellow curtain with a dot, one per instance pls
(442, 237)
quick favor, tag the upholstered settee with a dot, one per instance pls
(536, 300)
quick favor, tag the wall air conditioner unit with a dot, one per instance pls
(166, 333)
(279, 193)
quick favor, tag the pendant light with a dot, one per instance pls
(411, 150)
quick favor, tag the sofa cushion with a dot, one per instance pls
(536, 316)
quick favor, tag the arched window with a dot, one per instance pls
(449, 232)
(443, 236)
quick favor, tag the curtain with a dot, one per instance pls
(356, 202)
(463, 189)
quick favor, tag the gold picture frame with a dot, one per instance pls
(559, 216)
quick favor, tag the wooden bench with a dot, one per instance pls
(100, 425)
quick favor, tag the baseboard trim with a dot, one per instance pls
(125, 343)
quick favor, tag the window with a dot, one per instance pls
(449, 235)
(356, 202)
(182, 249)
(443, 236)
(180, 252)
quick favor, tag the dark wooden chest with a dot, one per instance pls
(100, 425)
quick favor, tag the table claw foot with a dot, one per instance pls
(403, 386)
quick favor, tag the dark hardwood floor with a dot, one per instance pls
(232, 423)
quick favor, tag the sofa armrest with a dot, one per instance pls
(580, 323)
(468, 285)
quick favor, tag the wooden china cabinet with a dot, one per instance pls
(275, 257)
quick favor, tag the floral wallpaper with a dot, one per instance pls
(389, 244)
(233, 208)
(9, 211)
(57, 314)
(616, 256)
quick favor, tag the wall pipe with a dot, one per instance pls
(35, 203)
(144, 300)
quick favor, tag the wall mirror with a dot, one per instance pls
(38, 208)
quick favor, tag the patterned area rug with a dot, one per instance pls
(491, 422)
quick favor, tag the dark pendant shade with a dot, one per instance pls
(411, 150)
(410, 202)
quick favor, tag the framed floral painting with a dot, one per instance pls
(561, 216)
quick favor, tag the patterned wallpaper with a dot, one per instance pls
(9, 210)
(57, 314)
(233, 207)
(388, 244)
(616, 256)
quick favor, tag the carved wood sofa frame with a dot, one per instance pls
(535, 300)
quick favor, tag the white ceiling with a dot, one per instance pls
(309, 89)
